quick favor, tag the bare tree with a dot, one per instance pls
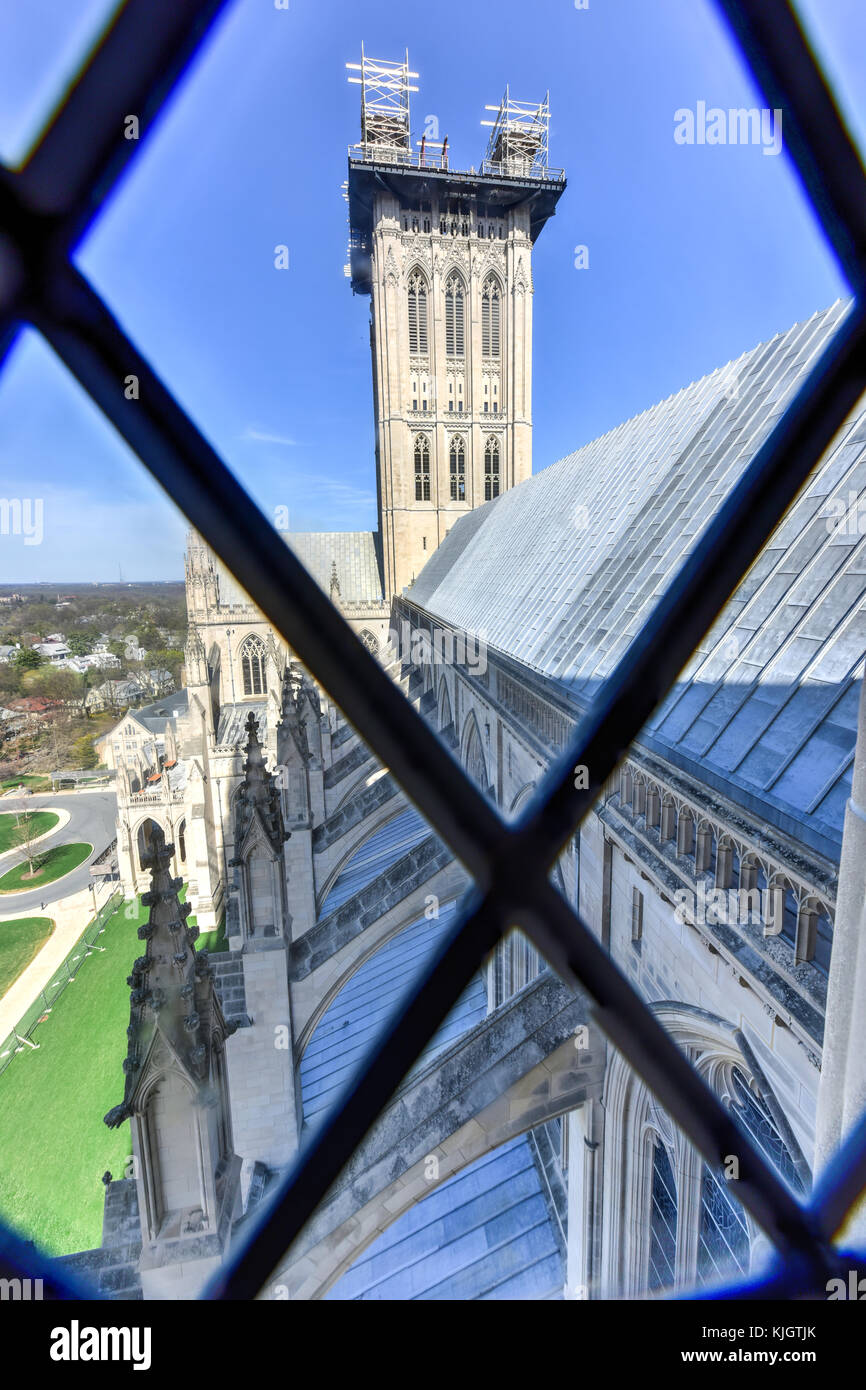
(27, 834)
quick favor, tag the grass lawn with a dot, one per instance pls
(54, 1146)
(19, 943)
(214, 940)
(39, 823)
(36, 781)
(57, 861)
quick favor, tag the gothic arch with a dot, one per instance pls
(635, 1123)
(522, 798)
(457, 466)
(472, 752)
(144, 836)
(523, 1096)
(418, 309)
(421, 449)
(371, 642)
(455, 313)
(492, 299)
(492, 466)
(252, 656)
(352, 966)
(356, 846)
(445, 715)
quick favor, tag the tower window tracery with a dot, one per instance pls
(454, 317)
(253, 670)
(417, 297)
(422, 468)
(457, 469)
(491, 298)
(491, 469)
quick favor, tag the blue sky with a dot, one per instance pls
(696, 253)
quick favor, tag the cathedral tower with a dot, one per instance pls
(446, 257)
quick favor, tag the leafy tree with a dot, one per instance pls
(54, 683)
(27, 659)
(149, 638)
(80, 643)
(166, 659)
(10, 681)
(84, 753)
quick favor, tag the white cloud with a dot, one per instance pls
(266, 437)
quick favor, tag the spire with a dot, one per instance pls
(259, 797)
(201, 578)
(172, 999)
(335, 582)
(195, 657)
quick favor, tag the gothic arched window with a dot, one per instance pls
(422, 468)
(491, 469)
(663, 1222)
(457, 465)
(454, 301)
(253, 666)
(723, 1237)
(369, 640)
(418, 315)
(491, 296)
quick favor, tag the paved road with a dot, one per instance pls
(91, 819)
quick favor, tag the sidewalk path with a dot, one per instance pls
(70, 917)
(92, 820)
(63, 819)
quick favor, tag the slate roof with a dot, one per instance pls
(356, 554)
(170, 706)
(233, 719)
(562, 571)
(383, 848)
(486, 1232)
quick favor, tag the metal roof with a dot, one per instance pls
(355, 553)
(562, 571)
(233, 719)
(169, 706)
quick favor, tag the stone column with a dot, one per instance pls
(842, 1093)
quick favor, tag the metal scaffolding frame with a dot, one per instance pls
(519, 136)
(385, 88)
(45, 208)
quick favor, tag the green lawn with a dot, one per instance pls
(36, 781)
(214, 940)
(57, 861)
(19, 943)
(54, 1146)
(11, 831)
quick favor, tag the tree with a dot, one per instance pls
(54, 683)
(10, 681)
(149, 638)
(83, 752)
(79, 643)
(27, 659)
(167, 659)
(26, 836)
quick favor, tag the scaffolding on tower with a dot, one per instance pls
(519, 135)
(385, 88)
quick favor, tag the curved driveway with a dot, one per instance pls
(92, 817)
